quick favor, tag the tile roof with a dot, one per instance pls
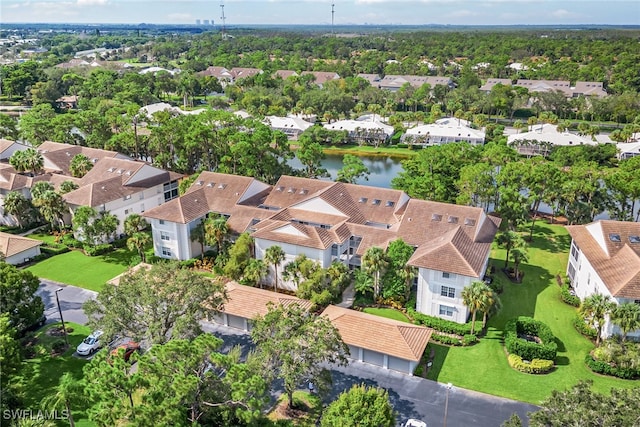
(11, 244)
(616, 262)
(387, 336)
(249, 302)
(60, 155)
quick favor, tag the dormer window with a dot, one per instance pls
(362, 200)
(634, 239)
(470, 222)
(615, 238)
(280, 188)
(222, 186)
(452, 219)
(291, 190)
(436, 217)
(389, 204)
(376, 202)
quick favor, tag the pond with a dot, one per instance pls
(382, 168)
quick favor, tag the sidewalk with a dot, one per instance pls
(348, 296)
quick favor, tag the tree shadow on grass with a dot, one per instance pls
(547, 240)
(120, 257)
(560, 344)
(439, 357)
(562, 361)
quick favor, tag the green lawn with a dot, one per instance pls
(40, 375)
(367, 150)
(389, 313)
(43, 237)
(75, 268)
(483, 367)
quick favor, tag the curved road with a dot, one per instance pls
(412, 397)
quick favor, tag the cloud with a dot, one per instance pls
(92, 2)
(560, 13)
(180, 17)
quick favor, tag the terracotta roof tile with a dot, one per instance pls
(387, 336)
(11, 244)
(616, 262)
(249, 302)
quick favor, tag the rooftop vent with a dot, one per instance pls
(389, 204)
(120, 171)
(634, 239)
(281, 188)
(362, 200)
(199, 182)
(211, 184)
(376, 202)
(615, 238)
(303, 191)
(436, 217)
(222, 186)
(470, 222)
(94, 160)
(111, 169)
(291, 190)
(452, 219)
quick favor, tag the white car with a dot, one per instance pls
(415, 423)
(90, 344)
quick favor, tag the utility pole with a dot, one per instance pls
(224, 36)
(66, 339)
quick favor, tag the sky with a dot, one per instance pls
(378, 12)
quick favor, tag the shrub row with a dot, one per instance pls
(526, 349)
(466, 340)
(496, 286)
(441, 325)
(536, 366)
(98, 249)
(582, 327)
(606, 369)
(54, 250)
(566, 296)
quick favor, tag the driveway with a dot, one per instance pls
(412, 397)
(71, 300)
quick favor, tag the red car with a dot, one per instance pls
(129, 348)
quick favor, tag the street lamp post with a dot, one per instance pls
(64, 330)
(446, 403)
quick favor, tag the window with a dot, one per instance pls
(165, 236)
(127, 197)
(447, 291)
(574, 252)
(445, 310)
(446, 275)
(334, 250)
(141, 196)
(166, 251)
(376, 202)
(170, 190)
(161, 222)
(126, 211)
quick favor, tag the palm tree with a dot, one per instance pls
(138, 242)
(509, 239)
(18, 161)
(374, 261)
(134, 223)
(51, 207)
(17, 205)
(33, 160)
(519, 255)
(627, 317)
(216, 230)
(80, 165)
(408, 273)
(596, 308)
(67, 390)
(197, 235)
(255, 271)
(490, 303)
(472, 297)
(274, 255)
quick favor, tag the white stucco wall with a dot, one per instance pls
(20, 258)
(429, 299)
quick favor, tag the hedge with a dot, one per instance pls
(51, 251)
(466, 340)
(526, 349)
(606, 369)
(98, 249)
(441, 325)
(536, 366)
(582, 327)
(566, 296)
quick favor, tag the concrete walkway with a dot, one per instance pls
(348, 296)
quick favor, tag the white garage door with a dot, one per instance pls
(236, 321)
(373, 357)
(398, 364)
